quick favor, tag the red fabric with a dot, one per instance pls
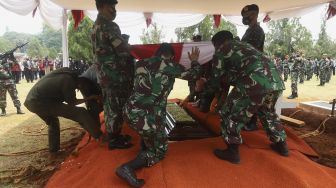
(267, 18)
(143, 51)
(78, 16)
(192, 164)
(217, 20)
(331, 10)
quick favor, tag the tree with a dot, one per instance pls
(205, 28)
(5, 45)
(51, 38)
(80, 46)
(36, 49)
(152, 35)
(287, 36)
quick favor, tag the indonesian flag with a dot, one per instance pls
(206, 48)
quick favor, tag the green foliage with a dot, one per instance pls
(5, 45)
(51, 38)
(36, 49)
(152, 35)
(205, 28)
(80, 46)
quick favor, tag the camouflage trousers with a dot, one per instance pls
(310, 74)
(149, 123)
(286, 73)
(302, 76)
(329, 73)
(323, 77)
(113, 103)
(238, 110)
(294, 81)
(11, 88)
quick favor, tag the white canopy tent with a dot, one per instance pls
(178, 13)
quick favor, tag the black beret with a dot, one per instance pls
(252, 7)
(107, 1)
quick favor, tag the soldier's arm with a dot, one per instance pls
(116, 40)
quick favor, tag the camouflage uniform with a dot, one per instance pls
(114, 73)
(295, 73)
(255, 36)
(146, 108)
(323, 67)
(7, 83)
(286, 70)
(329, 70)
(256, 87)
(302, 70)
(309, 69)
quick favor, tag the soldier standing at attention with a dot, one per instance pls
(285, 65)
(256, 87)
(111, 54)
(255, 36)
(323, 67)
(145, 110)
(298, 60)
(7, 83)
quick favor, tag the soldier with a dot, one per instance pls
(255, 36)
(46, 100)
(111, 54)
(256, 87)
(309, 69)
(285, 65)
(302, 69)
(323, 67)
(145, 110)
(7, 83)
(298, 60)
(329, 69)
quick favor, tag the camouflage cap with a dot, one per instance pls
(247, 8)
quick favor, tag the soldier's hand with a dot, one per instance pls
(194, 55)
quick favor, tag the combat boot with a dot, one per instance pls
(119, 142)
(293, 96)
(281, 148)
(3, 112)
(231, 154)
(127, 170)
(19, 111)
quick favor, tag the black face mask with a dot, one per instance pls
(246, 20)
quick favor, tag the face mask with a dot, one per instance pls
(246, 20)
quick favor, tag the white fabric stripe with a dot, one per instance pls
(206, 52)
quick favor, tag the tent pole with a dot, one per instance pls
(65, 39)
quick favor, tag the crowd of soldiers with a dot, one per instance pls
(301, 69)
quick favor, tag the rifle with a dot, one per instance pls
(10, 54)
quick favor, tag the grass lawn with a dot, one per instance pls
(19, 169)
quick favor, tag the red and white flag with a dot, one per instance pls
(143, 51)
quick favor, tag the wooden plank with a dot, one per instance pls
(292, 121)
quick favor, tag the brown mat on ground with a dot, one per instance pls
(192, 164)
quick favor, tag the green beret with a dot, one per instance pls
(248, 8)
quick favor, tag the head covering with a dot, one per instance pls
(247, 8)
(107, 1)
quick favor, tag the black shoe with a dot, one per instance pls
(281, 148)
(231, 154)
(19, 111)
(3, 112)
(293, 96)
(126, 173)
(120, 142)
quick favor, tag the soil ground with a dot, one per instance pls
(26, 162)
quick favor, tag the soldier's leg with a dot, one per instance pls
(53, 132)
(294, 80)
(235, 114)
(271, 123)
(14, 95)
(3, 103)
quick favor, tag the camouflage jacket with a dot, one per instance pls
(285, 64)
(110, 52)
(297, 64)
(154, 79)
(255, 36)
(245, 68)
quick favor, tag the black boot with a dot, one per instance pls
(252, 125)
(19, 111)
(119, 142)
(127, 171)
(293, 96)
(281, 148)
(231, 154)
(3, 112)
